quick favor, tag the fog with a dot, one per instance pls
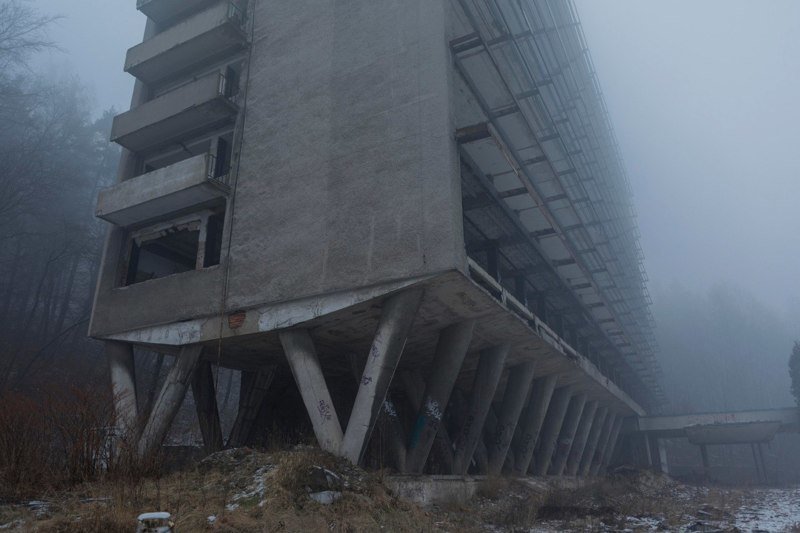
(703, 99)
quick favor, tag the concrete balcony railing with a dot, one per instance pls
(215, 32)
(161, 11)
(184, 185)
(190, 109)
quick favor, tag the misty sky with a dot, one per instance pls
(703, 95)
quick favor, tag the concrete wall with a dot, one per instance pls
(348, 176)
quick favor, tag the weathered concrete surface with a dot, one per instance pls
(167, 190)
(551, 430)
(434, 489)
(593, 441)
(675, 426)
(303, 360)
(451, 348)
(530, 426)
(490, 369)
(205, 35)
(169, 400)
(205, 401)
(360, 154)
(567, 436)
(579, 444)
(191, 107)
(397, 317)
(122, 368)
(517, 389)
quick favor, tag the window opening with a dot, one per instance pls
(182, 246)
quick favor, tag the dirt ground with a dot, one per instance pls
(306, 490)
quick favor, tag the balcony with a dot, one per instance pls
(189, 183)
(215, 32)
(161, 11)
(191, 109)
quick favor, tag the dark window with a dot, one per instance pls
(223, 163)
(172, 252)
(232, 81)
(214, 239)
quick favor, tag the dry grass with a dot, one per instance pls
(233, 477)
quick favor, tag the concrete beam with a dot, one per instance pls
(307, 372)
(169, 400)
(674, 426)
(567, 436)
(205, 401)
(579, 444)
(592, 442)
(487, 377)
(450, 352)
(517, 390)
(552, 429)
(397, 317)
(122, 369)
(530, 425)
(253, 390)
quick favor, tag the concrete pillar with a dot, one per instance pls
(579, 444)
(596, 460)
(517, 390)
(567, 436)
(307, 372)
(414, 388)
(487, 376)
(658, 454)
(123, 384)
(530, 424)
(450, 352)
(397, 317)
(169, 400)
(253, 390)
(205, 401)
(552, 429)
(396, 435)
(611, 447)
(592, 441)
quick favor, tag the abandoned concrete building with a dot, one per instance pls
(406, 222)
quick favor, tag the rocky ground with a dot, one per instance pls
(307, 490)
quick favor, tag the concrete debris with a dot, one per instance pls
(325, 497)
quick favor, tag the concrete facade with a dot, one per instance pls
(335, 190)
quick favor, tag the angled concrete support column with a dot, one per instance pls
(397, 317)
(450, 352)
(579, 443)
(169, 400)
(552, 429)
(303, 360)
(605, 434)
(123, 384)
(519, 385)
(487, 376)
(530, 425)
(254, 388)
(592, 441)
(442, 444)
(608, 442)
(397, 434)
(613, 444)
(567, 436)
(205, 401)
